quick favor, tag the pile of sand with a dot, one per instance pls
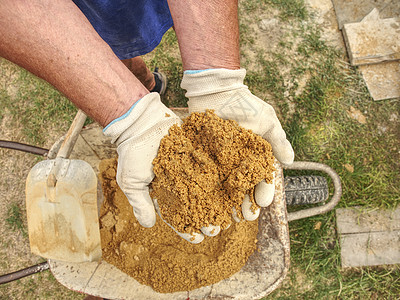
(157, 256)
(203, 170)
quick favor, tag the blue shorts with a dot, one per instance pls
(130, 27)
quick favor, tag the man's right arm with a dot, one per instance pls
(55, 41)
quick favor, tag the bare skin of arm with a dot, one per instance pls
(208, 33)
(55, 41)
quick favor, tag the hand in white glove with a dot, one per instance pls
(223, 91)
(138, 134)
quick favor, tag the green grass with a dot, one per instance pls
(314, 116)
(268, 79)
(170, 63)
(288, 9)
(37, 106)
(4, 98)
(14, 219)
(315, 254)
(312, 88)
(31, 288)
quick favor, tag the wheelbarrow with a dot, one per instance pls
(263, 272)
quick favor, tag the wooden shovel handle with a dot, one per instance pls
(72, 135)
(64, 152)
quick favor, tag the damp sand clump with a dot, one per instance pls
(157, 256)
(202, 172)
(204, 168)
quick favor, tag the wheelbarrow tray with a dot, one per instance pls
(264, 271)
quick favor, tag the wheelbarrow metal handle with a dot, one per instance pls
(24, 272)
(309, 212)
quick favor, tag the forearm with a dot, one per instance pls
(208, 33)
(54, 40)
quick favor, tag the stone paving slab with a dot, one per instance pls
(368, 238)
(352, 11)
(373, 40)
(382, 80)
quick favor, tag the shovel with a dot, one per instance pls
(61, 204)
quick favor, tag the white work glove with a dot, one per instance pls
(223, 91)
(138, 134)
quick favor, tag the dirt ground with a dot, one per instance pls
(14, 245)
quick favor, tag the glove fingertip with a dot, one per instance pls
(248, 213)
(194, 238)
(148, 220)
(235, 215)
(284, 153)
(211, 230)
(264, 193)
(143, 208)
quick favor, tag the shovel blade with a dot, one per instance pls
(63, 220)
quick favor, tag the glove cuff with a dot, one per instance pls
(212, 81)
(118, 126)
